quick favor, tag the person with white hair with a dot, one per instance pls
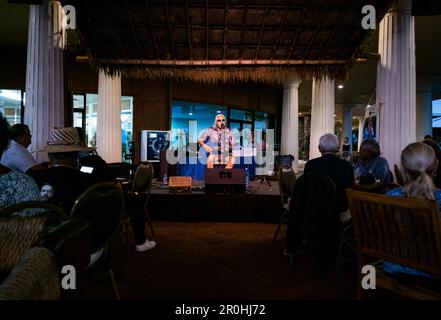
(418, 165)
(317, 209)
(217, 141)
(338, 170)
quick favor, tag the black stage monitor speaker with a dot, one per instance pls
(220, 180)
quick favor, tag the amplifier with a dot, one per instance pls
(220, 180)
(179, 184)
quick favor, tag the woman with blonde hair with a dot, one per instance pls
(418, 165)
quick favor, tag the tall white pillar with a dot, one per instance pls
(290, 121)
(423, 114)
(360, 131)
(396, 81)
(44, 107)
(347, 126)
(322, 112)
(108, 130)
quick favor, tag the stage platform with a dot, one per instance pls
(261, 203)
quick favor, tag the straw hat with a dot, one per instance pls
(64, 140)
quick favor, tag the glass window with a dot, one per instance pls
(89, 112)
(183, 115)
(242, 122)
(261, 120)
(10, 105)
(78, 119)
(78, 101)
(126, 125)
(237, 114)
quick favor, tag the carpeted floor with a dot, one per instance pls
(233, 261)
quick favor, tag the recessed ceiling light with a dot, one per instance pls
(335, 115)
(190, 113)
(300, 113)
(218, 111)
(340, 86)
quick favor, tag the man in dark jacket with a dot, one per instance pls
(338, 170)
(316, 195)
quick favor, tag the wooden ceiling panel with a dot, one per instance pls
(186, 32)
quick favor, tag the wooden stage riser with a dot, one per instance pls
(215, 207)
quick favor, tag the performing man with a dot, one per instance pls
(218, 143)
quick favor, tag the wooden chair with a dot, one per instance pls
(44, 208)
(33, 251)
(142, 185)
(102, 205)
(398, 176)
(312, 219)
(287, 179)
(399, 230)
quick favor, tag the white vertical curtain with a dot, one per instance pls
(396, 81)
(44, 104)
(322, 112)
(108, 131)
(290, 121)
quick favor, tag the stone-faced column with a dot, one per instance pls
(108, 130)
(44, 107)
(395, 93)
(322, 112)
(290, 121)
(423, 114)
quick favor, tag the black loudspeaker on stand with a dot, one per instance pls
(229, 181)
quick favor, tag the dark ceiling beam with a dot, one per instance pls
(242, 31)
(134, 29)
(225, 29)
(317, 28)
(297, 33)
(220, 27)
(207, 32)
(236, 6)
(167, 18)
(97, 34)
(221, 62)
(152, 31)
(261, 31)
(115, 31)
(236, 46)
(187, 17)
(285, 14)
(325, 47)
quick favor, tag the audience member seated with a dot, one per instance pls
(93, 160)
(16, 156)
(372, 169)
(15, 186)
(418, 165)
(62, 173)
(135, 206)
(338, 170)
(437, 177)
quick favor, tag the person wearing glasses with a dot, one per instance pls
(217, 141)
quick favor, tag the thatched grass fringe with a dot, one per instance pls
(274, 75)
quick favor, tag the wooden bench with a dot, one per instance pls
(402, 231)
